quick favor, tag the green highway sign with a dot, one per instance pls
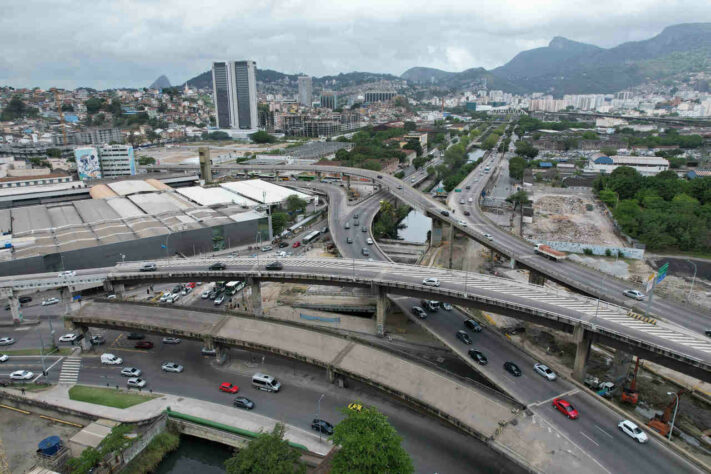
(457, 190)
(662, 272)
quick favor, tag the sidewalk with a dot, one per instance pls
(59, 396)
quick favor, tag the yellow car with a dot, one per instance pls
(355, 406)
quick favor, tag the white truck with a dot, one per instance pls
(548, 252)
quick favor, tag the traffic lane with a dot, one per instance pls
(34, 364)
(433, 446)
(34, 336)
(596, 430)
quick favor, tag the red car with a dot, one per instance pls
(190, 285)
(565, 408)
(296, 244)
(229, 388)
(144, 345)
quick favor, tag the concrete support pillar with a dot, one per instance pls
(451, 244)
(222, 353)
(512, 263)
(108, 286)
(119, 289)
(330, 374)
(15, 309)
(436, 233)
(621, 367)
(536, 278)
(583, 339)
(85, 342)
(380, 310)
(256, 295)
(348, 182)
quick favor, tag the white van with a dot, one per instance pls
(265, 382)
(110, 359)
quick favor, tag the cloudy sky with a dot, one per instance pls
(115, 43)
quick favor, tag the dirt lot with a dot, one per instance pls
(566, 218)
(178, 154)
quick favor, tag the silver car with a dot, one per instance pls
(544, 371)
(136, 382)
(638, 295)
(171, 367)
(6, 341)
(131, 372)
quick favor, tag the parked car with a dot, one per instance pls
(6, 341)
(165, 297)
(431, 281)
(136, 382)
(544, 371)
(632, 430)
(205, 294)
(243, 402)
(212, 295)
(472, 325)
(283, 244)
(478, 356)
(217, 266)
(419, 312)
(171, 340)
(274, 266)
(50, 301)
(512, 368)
(228, 387)
(565, 408)
(135, 336)
(144, 345)
(219, 300)
(148, 267)
(21, 375)
(638, 295)
(464, 337)
(171, 367)
(322, 425)
(131, 372)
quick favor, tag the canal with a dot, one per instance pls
(417, 226)
(195, 455)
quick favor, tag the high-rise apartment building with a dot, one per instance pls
(234, 88)
(378, 96)
(329, 100)
(305, 91)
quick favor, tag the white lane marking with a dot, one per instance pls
(591, 440)
(599, 428)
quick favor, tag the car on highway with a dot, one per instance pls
(365, 251)
(50, 301)
(143, 345)
(431, 281)
(243, 402)
(267, 248)
(488, 236)
(348, 225)
(356, 215)
(274, 266)
(148, 267)
(467, 213)
(228, 387)
(67, 273)
(21, 375)
(71, 337)
(468, 186)
(419, 312)
(446, 306)
(171, 340)
(6, 341)
(364, 229)
(356, 223)
(4, 357)
(399, 186)
(171, 367)
(430, 305)
(322, 425)
(283, 244)
(464, 337)
(349, 240)
(638, 295)
(24, 299)
(217, 266)
(380, 176)
(444, 213)
(131, 372)
(544, 371)
(219, 300)
(206, 351)
(461, 201)
(512, 368)
(110, 359)
(472, 325)
(97, 340)
(565, 408)
(461, 223)
(369, 241)
(135, 336)
(135, 382)
(478, 356)
(205, 294)
(632, 430)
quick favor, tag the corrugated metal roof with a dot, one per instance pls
(158, 184)
(124, 207)
(262, 191)
(101, 191)
(128, 187)
(639, 160)
(214, 196)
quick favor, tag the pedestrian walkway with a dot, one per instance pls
(70, 370)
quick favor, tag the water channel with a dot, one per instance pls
(195, 455)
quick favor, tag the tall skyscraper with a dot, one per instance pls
(234, 87)
(329, 100)
(305, 91)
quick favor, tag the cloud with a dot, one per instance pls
(122, 43)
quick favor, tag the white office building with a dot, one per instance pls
(117, 160)
(234, 88)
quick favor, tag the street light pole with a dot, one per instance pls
(692, 280)
(676, 407)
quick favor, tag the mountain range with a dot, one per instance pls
(562, 67)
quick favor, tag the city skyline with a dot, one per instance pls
(133, 49)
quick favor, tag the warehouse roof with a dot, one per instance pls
(101, 191)
(156, 203)
(124, 207)
(128, 187)
(262, 191)
(214, 196)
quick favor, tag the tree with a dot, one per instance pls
(279, 220)
(368, 443)
(262, 137)
(516, 167)
(590, 135)
(519, 197)
(93, 105)
(608, 151)
(16, 109)
(54, 152)
(268, 453)
(145, 160)
(525, 149)
(414, 144)
(294, 203)
(410, 126)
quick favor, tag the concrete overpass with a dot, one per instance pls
(589, 319)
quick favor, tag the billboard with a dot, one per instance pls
(132, 160)
(88, 166)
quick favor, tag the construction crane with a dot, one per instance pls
(630, 394)
(660, 423)
(61, 114)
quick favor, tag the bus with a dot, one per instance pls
(310, 237)
(233, 287)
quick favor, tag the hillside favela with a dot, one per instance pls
(366, 237)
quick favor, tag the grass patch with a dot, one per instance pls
(153, 454)
(107, 396)
(64, 351)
